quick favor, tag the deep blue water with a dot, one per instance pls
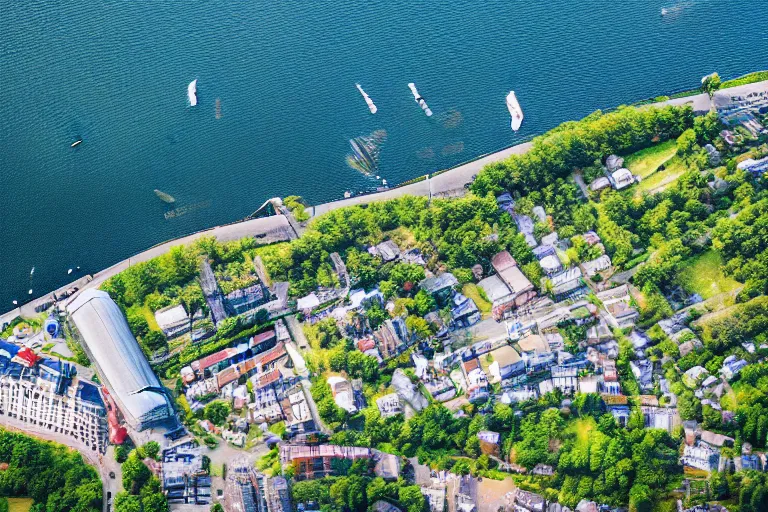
(115, 74)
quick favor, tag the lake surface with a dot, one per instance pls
(114, 74)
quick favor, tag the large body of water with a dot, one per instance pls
(114, 74)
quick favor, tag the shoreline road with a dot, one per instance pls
(448, 183)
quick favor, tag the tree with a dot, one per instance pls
(718, 484)
(135, 473)
(312, 490)
(424, 303)
(152, 449)
(350, 492)
(689, 406)
(376, 315)
(121, 453)
(686, 143)
(125, 502)
(706, 127)
(640, 499)
(217, 412)
(710, 84)
(419, 327)
(216, 507)
(411, 498)
(154, 341)
(154, 502)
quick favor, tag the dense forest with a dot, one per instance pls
(55, 477)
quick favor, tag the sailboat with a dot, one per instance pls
(192, 92)
(419, 99)
(514, 110)
(371, 106)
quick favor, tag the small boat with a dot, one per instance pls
(192, 92)
(664, 11)
(32, 272)
(514, 110)
(30, 291)
(367, 99)
(69, 271)
(76, 143)
(419, 99)
(15, 302)
(166, 198)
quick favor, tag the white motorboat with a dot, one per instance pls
(76, 143)
(514, 110)
(419, 99)
(192, 92)
(368, 100)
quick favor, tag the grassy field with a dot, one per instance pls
(148, 315)
(757, 76)
(643, 163)
(19, 504)
(581, 429)
(658, 181)
(474, 293)
(704, 275)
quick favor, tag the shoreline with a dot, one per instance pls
(449, 182)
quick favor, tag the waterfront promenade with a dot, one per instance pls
(448, 183)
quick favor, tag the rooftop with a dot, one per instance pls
(121, 363)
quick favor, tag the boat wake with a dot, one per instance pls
(365, 152)
(183, 210)
(674, 11)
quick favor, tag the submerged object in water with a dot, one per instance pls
(192, 92)
(371, 106)
(514, 110)
(419, 99)
(218, 108)
(365, 152)
(166, 198)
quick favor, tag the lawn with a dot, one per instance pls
(643, 163)
(751, 78)
(658, 181)
(217, 470)
(148, 315)
(704, 275)
(581, 429)
(473, 292)
(19, 504)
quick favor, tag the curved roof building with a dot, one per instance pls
(121, 364)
